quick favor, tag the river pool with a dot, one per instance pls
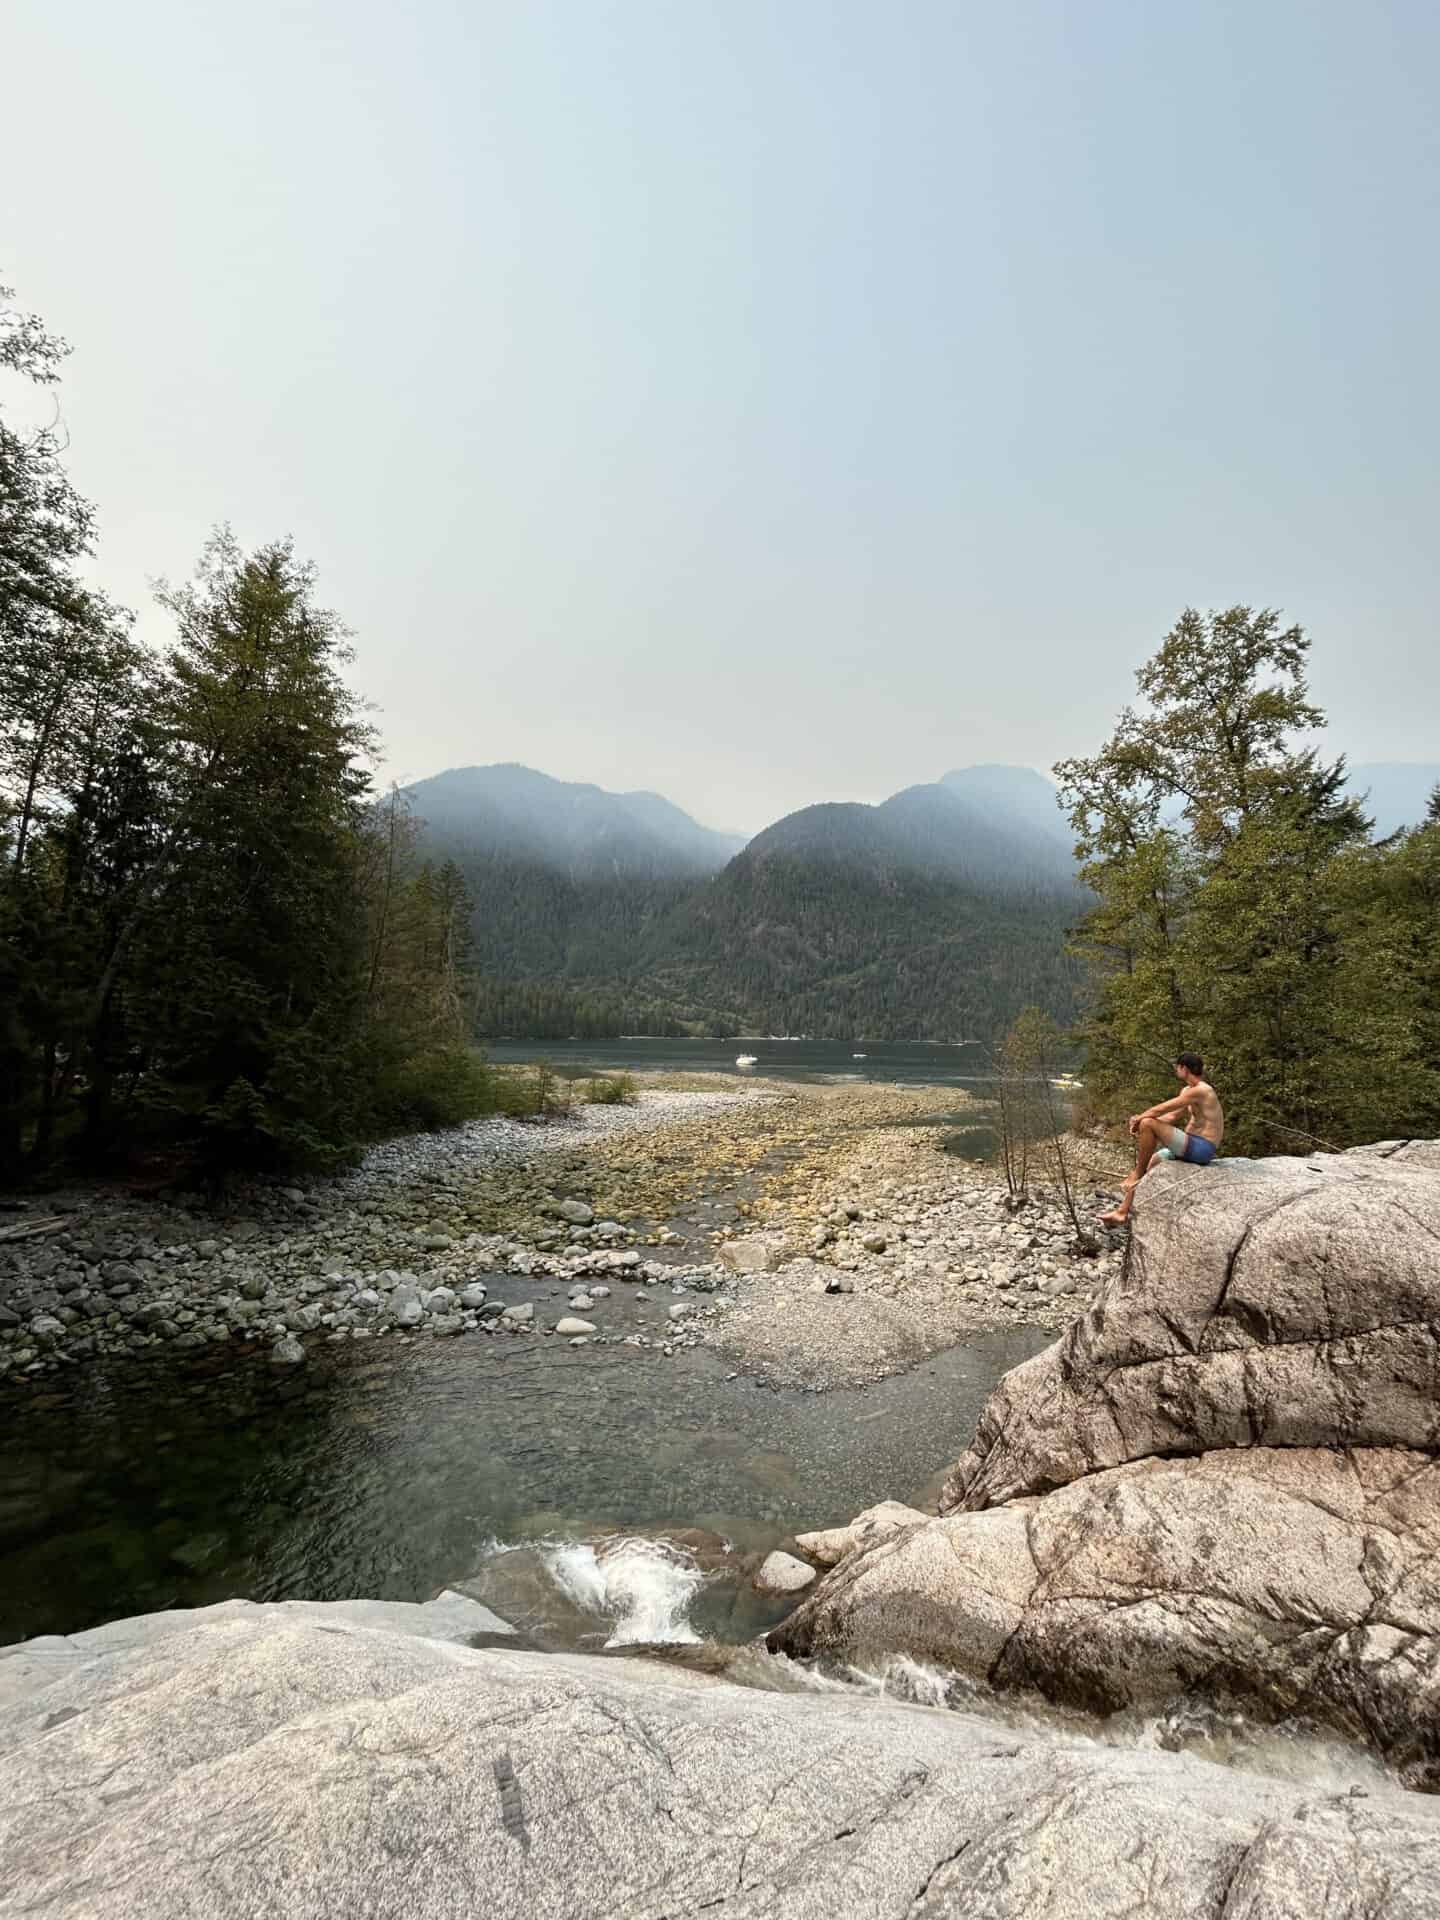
(392, 1471)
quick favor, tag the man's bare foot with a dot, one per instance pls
(1115, 1218)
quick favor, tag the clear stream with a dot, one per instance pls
(394, 1470)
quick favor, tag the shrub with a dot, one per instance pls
(611, 1090)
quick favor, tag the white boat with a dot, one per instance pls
(746, 1060)
(859, 1056)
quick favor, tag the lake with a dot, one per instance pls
(893, 1062)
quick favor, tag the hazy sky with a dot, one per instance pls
(759, 400)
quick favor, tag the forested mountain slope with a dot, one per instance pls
(937, 914)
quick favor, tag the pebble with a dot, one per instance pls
(309, 1259)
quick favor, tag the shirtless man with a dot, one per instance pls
(1162, 1134)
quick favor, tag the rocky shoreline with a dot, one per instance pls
(814, 1235)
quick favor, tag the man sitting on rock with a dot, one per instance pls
(1162, 1137)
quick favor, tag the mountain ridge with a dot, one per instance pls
(516, 811)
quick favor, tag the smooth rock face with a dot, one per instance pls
(783, 1573)
(1278, 1302)
(1286, 1582)
(867, 1529)
(254, 1764)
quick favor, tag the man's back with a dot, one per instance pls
(1207, 1116)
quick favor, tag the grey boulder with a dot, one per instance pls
(1289, 1583)
(257, 1762)
(1279, 1303)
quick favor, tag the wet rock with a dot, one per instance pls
(867, 1529)
(473, 1296)
(1282, 1581)
(518, 1316)
(782, 1573)
(287, 1352)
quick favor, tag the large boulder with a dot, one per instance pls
(1264, 1303)
(1289, 1583)
(251, 1762)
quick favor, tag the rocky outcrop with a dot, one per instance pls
(1264, 1303)
(1288, 1583)
(251, 1761)
(1221, 1485)
(867, 1529)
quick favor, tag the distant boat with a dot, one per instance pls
(859, 1056)
(1069, 1083)
(746, 1060)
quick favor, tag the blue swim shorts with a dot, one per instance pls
(1190, 1146)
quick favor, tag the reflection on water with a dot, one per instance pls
(390, 1471)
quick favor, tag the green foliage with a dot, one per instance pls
(1242, 913)
(611, 1090)
(786, 945)
(210, 938)
(438, 1088)
(537, 1010)
(544, 1092)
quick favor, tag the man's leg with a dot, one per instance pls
(1153, 1134)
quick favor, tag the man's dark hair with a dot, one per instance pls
(1192, 1063)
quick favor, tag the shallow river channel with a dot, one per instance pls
(392, 1470)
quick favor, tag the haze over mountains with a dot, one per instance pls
(936, 914)
(983, 819)
(576, 828)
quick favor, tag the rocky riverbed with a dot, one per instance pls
(819, 1236)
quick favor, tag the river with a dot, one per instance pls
(395, 1472)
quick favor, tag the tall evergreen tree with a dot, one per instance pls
(1235, 888)
(241, 963)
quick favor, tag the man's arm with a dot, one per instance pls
(1165, 1110)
